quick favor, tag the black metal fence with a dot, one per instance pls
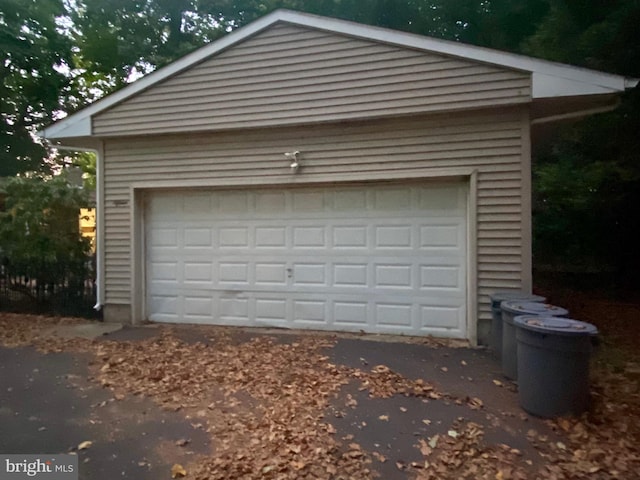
(50, 289)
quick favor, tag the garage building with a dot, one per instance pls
(307, 172)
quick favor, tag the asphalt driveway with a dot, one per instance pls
(48, 405)
(52, 403)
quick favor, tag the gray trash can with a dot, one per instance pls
(495, 341)
(553, 364)
(510, 310)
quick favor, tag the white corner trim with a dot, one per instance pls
(472, 258)
(100, 228)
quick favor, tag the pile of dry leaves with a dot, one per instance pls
(461, 454)
(18, 330)
(264, 402)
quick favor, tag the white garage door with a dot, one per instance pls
(384, 259)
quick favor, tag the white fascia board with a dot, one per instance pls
(79, 124)
(549, 86)
(601, 81)
(69, 127)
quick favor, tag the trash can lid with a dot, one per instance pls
(498, 297)
(532, 308)
(560, 326)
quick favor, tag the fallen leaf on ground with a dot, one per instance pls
(84, 445)
(178, 471)
(251, 395)
(424, 447)
(378, 456)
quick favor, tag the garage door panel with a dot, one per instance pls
(347, 258)
(394, 316)
(233, 237)
(440, 236)
(232, 203)
(308, 202)
(234, 310)
(438, 200)
(198, 237)
(309, 237)
(394, 236)
(448, 318)
(268, 202)
(313, 312)
(441, 277)
(198, 272)
(309, 274)
(233, 273)
(271, 237)
(396, 276)
(270, 274)
(196, 204)
(166, 237)
(350, 237)
(393, 198)
(167, 307)
(350, 314)
(198, 306)
(271, 310)
(349, 200)
(350, 275)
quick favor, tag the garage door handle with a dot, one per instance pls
(289, 272)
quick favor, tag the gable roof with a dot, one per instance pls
(549, 79)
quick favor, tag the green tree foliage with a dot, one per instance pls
(39, 232)
(32, 82)
(87, 162)
(587, 186)
(500, 24)
(62, 54)
(118, 40)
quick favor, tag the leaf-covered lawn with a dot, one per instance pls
(265, 404)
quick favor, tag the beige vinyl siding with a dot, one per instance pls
(289, 75)
(489, 142)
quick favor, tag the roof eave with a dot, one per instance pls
(549, 79)
(631, 83)
(79, 123)
(545, 85)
